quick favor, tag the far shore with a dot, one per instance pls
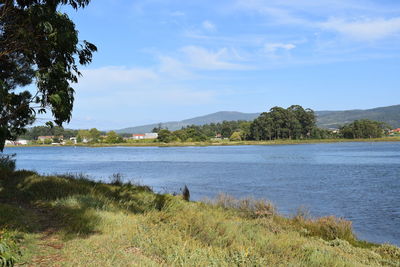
(222, 143)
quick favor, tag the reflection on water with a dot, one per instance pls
(357, 181)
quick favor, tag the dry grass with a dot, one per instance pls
(76, 222)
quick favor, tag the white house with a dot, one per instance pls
(150, 135)
(138, 136)
(21, 142)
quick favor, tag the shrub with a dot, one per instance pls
(7, 162)
(186, 193)
(116, 179)
(328, 228)
(8, 250)
(248, 207)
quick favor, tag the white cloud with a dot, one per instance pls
(174, 68)
(177, 14)
(208, 25)
(202, 58)
(108, 77)
(273, 47)
(364, 30)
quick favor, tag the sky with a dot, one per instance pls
(166, 60)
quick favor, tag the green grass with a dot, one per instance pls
(67, 221)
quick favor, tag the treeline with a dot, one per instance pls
(364, 129)
(34, 132)
(291, 123)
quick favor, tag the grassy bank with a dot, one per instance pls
(229, 143)
(69, 221)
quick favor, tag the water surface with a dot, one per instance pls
(357, 181)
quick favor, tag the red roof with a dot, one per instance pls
(396, 130)
(138, 135)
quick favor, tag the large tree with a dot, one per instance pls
(38, 44)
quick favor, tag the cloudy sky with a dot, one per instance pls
(162, 60)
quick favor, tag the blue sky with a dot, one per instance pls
(163, 60)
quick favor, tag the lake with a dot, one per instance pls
(356, 181)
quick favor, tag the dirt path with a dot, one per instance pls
(49, 245)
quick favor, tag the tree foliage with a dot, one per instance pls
(38, 44)
(294, 122)
(363, 129)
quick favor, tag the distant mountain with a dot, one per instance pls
(210, 118)
(325, 119)
(334, 119)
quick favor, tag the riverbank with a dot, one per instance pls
(225, 143)
(71, 221)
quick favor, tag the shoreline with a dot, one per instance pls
(221, 143)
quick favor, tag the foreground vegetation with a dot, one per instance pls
(72, 221)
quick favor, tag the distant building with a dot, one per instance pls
(43, 138)
(138, 136)
(150, 135)
(21, 142)
(394, 132)
(16, 143)
(74, 140)
(144, 136)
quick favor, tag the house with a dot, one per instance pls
(394, 132)
(138, 136)
(43, 138)
(21, 142)
(150, 135)
(73, 140)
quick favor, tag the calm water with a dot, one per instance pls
(357, 181)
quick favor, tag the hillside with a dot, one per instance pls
(206, 119)
(333, 119)
(325, 119)
(72, 221)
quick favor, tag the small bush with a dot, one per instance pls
(116, 179)
(328, 228)
(186, 193)
(248, 207)
(7, 163)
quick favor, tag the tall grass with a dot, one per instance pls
(118, 224)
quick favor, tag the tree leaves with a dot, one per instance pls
(37, 41)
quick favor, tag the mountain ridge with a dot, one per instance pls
(325, 118)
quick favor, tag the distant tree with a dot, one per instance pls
(226, 130)
(165, 136)
(113, 138)
(94, 135)
(294, 122)
(236, 136)
(157, 129)
(38, 43)
(363, 129)
(83, 135)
